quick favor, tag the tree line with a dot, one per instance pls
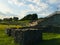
(28, 17)
(10, 19)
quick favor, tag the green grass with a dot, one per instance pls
(4, 38)
(48, 38)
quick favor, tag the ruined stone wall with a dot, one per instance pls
(51, 29)
(32, 37)
(26, 37)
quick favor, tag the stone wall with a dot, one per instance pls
(52, 29)
(26, 36)
(29, 37)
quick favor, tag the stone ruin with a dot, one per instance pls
(30, 35)
(25, 35)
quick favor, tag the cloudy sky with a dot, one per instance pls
(20, 8)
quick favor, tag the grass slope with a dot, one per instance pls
(4, 39)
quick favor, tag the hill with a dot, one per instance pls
(30, 17)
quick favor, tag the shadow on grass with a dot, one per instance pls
(50, 42)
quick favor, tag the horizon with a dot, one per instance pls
(21, 8)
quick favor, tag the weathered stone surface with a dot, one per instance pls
(25, 36)
(10, 31)
(28, 37)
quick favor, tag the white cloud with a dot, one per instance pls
(34, 8)
(53, 1)
(39, 5)
(4, 8)
(3, 16)
(6, 15)
(22, 13)
(35, 1)
(16, 2)
(59, 7)
(44, 5)
(32, 5)
(44, 14)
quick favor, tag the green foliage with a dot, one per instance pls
(21, 23)
(11, 19)
(15, 18)
(5, 19)
(0, 20)
(30, 17)
(4, 39)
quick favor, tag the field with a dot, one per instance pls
(4, 39)
(48, 38)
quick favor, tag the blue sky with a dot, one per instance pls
(20, 8)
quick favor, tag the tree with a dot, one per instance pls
(15, 18)
(5, 19)
(0, 20)
(34, 17)
(30, 17)
(10, 19)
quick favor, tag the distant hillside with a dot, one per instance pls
(30, 17)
